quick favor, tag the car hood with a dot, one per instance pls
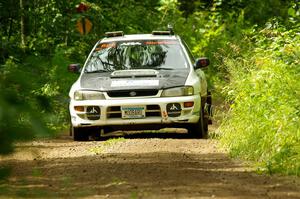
(134, 79)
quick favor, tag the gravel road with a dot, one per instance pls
(155, 166)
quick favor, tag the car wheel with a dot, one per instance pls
(70, 130)
(95, 133)
(199, 129)
(80, 134)
(205, 121)
(208, 108)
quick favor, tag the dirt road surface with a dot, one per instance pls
(136, 167)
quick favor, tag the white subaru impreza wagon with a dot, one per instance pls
(141, 81)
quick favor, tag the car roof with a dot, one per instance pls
(139, 37)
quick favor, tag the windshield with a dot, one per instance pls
(141, 54)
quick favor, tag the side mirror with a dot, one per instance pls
(74, 68)
(201, 62)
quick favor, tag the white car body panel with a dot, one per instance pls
(196, 79)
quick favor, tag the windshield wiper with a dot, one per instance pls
(163, 68)
(97, 71)
(156, 68)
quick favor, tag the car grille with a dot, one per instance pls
(151, 111)
(132, 93)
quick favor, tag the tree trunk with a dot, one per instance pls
(22, 24)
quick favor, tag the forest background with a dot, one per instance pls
(254, 48)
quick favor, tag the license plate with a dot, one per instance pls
(133, 112)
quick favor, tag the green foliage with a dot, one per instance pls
(257, 12)
(19, 112)
(264, 93)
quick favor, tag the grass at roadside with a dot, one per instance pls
(263, 123)
(106, 144)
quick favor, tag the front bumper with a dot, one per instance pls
(156, 111)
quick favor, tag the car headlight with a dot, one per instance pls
(88, 95)
(178, 91)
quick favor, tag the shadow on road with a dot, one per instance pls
(143, 175)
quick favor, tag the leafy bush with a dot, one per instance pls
(263, 123)
(20, 110)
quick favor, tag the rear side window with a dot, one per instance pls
(139, 54)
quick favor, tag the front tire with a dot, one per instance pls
(208, 108)
(80, 134)
(199, 129)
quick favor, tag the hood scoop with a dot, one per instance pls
(134, 73)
